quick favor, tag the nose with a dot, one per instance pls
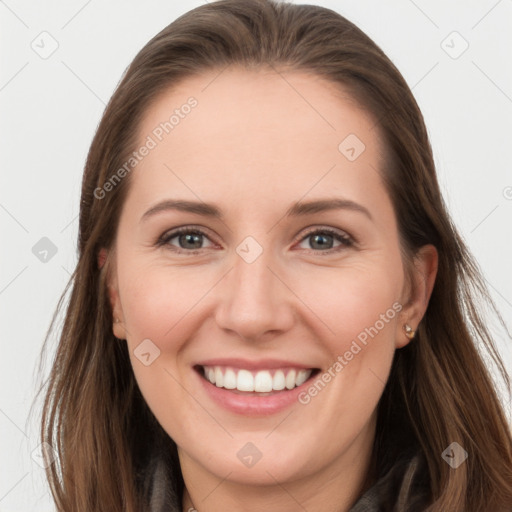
(254, 299)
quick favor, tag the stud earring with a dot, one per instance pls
(116, 320)
(409, 331)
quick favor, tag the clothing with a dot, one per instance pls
(404, 488)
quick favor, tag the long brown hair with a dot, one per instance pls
(439, 390)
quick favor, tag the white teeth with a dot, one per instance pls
(260, 382)
(302, 377)
(278, 382)
(290, 379)
(230, 379)
(263, 382)
(219, 377)
(245, 381)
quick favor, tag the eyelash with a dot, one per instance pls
(345, 240)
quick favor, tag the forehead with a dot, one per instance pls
(251, 131)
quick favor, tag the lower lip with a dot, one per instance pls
(252, 405)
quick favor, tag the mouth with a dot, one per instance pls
(256, 383)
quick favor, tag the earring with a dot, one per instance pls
(409, 332)
(116, 320)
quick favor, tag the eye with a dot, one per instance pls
(189, 240)
(322, 239)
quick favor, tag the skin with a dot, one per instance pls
(253, 146)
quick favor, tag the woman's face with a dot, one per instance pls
(291, 270)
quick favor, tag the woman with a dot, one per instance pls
(315, 347)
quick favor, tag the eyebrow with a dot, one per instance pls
(297, 209)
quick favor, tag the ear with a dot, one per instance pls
(416, 301)
(102, 257)
(106, 257)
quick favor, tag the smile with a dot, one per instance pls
(251, 388)
(262, 381)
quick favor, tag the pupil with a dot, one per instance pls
(190, 237)
(316, 237)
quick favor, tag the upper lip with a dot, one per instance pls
(251, 364)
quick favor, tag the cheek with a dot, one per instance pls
(361, 311)
(157, 306)
(156, 300)
(354, 303)
(162, 304)
(359, 305)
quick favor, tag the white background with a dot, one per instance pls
(49, 110)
